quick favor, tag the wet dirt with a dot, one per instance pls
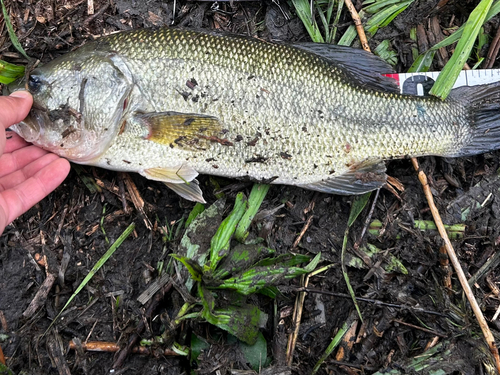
(404, 314)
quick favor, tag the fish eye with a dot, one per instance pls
(34, 84)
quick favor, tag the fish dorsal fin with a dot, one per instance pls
(191, 191)
(179, 130)
(359, 179)
(361, 68)
(178, 174)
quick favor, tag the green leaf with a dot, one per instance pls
(450, 72)
(192, 266)
(384, 51)
(240, 321)
(255, 199)
(197, 346)
(254, 279)
(240, 257)
(194, 243)
(10, 72)
(256, 354)
(284, 260)
(385, 16)
(220, 241)
(358, 205)
(12, 34)
(197, 209)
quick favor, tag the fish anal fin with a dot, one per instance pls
(179, 130)
(359, 179)
(177, 175)
(191, 191)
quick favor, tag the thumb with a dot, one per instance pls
(14, 108)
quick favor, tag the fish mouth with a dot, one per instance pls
(32, 127)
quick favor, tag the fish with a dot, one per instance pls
(170, 104)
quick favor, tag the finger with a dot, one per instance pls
(14, 142)
(14, 108)
(26, 165)
(21, 198)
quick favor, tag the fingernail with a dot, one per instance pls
(21, 94)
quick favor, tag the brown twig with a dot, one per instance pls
(111, 347)
(490, 340)
(136, 198)
(420, 328)
(358, 24)
(302, 232)
(297, 316)
(493, 51)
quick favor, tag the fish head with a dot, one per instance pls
(79, 102)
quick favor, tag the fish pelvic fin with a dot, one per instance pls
(483, 104)
(190, 191)
(180, 174)
(361, 178)
(179, 130)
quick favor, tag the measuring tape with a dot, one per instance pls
(421, 83)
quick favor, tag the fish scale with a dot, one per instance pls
(308, 115)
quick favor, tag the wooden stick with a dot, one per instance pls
(102, 346)
(358, 24)
(456, 265)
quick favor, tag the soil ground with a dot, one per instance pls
(404, 315)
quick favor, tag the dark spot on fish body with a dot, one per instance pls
(285, 155)
(191, 83)
(257, 159)
(108, 162)
(238, 138)
(210, 160)
(188, 121)
(254, 141)
(195, 98)
(304, 129)
(126, 161)
(215, 166)
(315, 166)
(250, 77)
(332, 171)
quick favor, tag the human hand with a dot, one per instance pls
(27, 173)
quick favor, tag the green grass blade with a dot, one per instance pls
(348, 36)
(96, 268)
(450, 72)
(424, 61)
(358, 205)
(12, 34)
(335, 342)
(303, 9)
(255, 199)
(340, 6)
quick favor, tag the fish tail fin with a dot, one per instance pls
(483, 103)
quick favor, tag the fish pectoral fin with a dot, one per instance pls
(191, 191)
(179, 130)
(359, 179)
(177, 175)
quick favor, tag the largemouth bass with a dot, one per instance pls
(170, 104)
